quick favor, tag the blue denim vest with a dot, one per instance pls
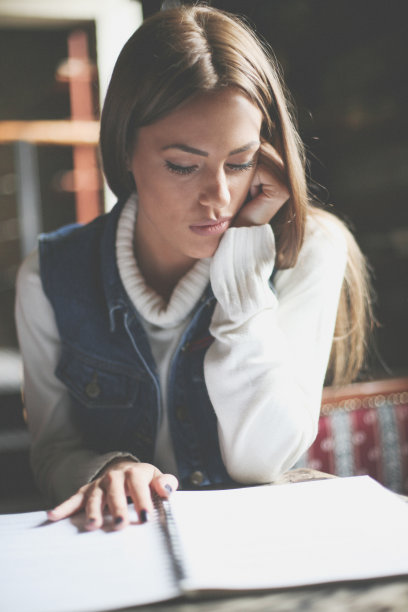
(107, 364)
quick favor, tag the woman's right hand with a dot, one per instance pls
(119, 480)
(269, 189)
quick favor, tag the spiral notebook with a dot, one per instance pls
(245, 539)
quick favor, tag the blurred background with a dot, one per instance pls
(345, 64)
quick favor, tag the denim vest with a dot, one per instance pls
(107, 364)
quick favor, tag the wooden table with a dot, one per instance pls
(388, 595)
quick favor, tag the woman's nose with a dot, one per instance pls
(215, 190)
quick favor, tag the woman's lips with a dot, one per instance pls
(211, 228)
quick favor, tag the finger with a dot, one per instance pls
(270, 159)
(138, 481)
(267, 204)
(68, 507)
(164, 485)
(276, 192)
(94, 509)
(113, 484)
(269, 182)
(259, 211)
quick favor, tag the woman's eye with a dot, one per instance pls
(241, 167)
(179, 169)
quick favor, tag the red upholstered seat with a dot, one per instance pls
(363, 429)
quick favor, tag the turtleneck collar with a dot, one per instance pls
(152, 307)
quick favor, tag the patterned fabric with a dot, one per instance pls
(364, 436)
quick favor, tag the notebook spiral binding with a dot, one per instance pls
(169, 528)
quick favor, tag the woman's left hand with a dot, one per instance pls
(268, 191)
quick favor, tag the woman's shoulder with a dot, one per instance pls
(325, 229)
(30, 296)
(323, 254)
(32, 307)
(326, 237)
(29, 270)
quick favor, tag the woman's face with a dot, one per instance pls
(193, 170)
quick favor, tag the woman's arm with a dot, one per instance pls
(266, 367)
(62, 466)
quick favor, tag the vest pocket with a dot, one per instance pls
(98, 384)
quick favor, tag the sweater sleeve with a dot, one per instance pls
(60, 463)
(265, 369)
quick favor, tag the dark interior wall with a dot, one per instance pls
(346, 65)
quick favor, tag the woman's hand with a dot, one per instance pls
(119, 480)
(268, 191)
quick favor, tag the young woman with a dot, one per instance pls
(185, 335)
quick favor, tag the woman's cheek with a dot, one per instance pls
(244, 193)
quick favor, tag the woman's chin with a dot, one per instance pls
(205, 252)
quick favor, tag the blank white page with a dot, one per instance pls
(291, 535)
(58, 567)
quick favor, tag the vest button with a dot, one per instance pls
(93, 390)
(196, 478)
(182, 413)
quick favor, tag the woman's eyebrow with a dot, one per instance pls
(245, 147)
(188, 149)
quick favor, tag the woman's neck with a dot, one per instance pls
(160, 274)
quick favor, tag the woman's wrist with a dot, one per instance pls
(241, 269)
(119, 458)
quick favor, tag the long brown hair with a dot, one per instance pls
(181, 52)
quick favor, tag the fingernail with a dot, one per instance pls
(118, 520)
(90, 521)
(168, 488)
(143, 516)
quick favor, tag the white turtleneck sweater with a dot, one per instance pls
(264, 371)
(163, 322)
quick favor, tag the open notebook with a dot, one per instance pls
(241, 539)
